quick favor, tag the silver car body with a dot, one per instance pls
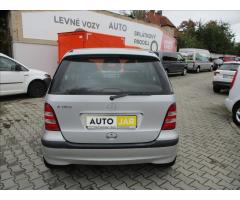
(199, 59)
(76, 144)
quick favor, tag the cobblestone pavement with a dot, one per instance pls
(208, 156)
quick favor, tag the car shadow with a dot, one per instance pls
(14, 97)
(123, 169)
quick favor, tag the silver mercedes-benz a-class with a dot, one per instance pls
(110, 106)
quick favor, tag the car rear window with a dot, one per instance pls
(169, 57)
(188, 56)
(110, 74)
(230, 66)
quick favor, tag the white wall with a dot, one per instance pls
(36, 56)
(45, 25)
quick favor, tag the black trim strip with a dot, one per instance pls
(12, 83)
(69, 145)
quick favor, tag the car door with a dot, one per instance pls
(11, 77)
(181, 63)
(205, 63)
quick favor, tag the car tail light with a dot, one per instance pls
(233, 80)
(170, 119)
(51, 123)
(215, 73)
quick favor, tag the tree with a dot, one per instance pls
(187, 36)
(215, 36)
(138, 14)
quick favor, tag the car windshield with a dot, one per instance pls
(230, 66)
(110, 75)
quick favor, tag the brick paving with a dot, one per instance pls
(208, 151)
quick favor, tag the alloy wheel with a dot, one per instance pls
(238, 115)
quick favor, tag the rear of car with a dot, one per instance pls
(233, 101)
(197, 59)
(173, 63)
(110, 106)
(223, 76)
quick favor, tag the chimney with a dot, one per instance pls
(159, 12)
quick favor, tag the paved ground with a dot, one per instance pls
(208, 156)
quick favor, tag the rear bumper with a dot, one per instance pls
(61, 152)
(221, 84)
(191, 67)
(229, 104)
(69, 145)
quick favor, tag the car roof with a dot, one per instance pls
(3, 55)
(113, 51)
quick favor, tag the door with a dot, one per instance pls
(203, 61)
(11, 77)
(180, 64)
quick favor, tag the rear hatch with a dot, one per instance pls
(110, 99)
(226, 72)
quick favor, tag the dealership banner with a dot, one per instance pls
(45, 25)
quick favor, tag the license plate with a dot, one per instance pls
(227, 76)
(112, 122)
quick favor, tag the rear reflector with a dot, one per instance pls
(233, 80)
(51, 123)
(170, 119)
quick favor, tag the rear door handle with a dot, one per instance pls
(26, 75)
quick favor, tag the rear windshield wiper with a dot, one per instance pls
(127, 94)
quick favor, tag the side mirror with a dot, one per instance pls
(18, 68)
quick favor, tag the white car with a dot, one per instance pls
(224, 75)
(15, 78)
(233, 101)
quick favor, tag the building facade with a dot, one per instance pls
(34, 33)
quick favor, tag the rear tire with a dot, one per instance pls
(198, 69)
(211, 69)
(184, 72)
(216, 89)
(37, 89)
(236, 114)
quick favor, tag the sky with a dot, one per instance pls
(232, 17)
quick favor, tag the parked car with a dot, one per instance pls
(16, 78)
(217, 63)
(233, 101)
(227, 58)
(197, 59)
(224, 75)
(173, 62)
(110, 106)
